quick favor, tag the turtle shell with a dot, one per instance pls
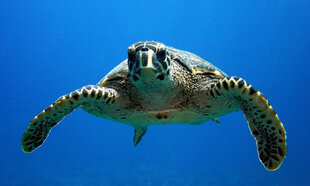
(194, 64)
(118, 73)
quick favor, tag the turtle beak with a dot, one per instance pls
(146, 64)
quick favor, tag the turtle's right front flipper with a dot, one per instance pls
(263, 121)
(41, 125)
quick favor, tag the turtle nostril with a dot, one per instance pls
(144, 49)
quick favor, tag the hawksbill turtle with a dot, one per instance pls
(158, 84)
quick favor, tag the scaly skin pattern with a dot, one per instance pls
(163, 85)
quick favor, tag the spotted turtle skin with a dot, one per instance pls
(158, 84)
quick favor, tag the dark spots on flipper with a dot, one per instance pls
(85, 93)
(99, 95)
(75, 95)
(34, 124)
(244, 90)
(36, 144)
(267, 152)
(225, 85)
(123, 117)
(280, 141)
(252, 90)
(106, 94)
(32, 138)
(236, 79)
(212, 86)
(218, 85)
(88, 87)
(53, 124)
(273, 128)
(270, 164)
(113, 101)
(109, 100)
(232, 84)
(263, 116)
(269, 121)
(280, 152)
(240, 84)
(28, 143)
(26, 138)
(217, 92)
(255, 133)
(67, 96)
(71, 102)
(93, 93)
(48, 109)
(161, 77)
(211, 92)
(280, 132)
(263, 157)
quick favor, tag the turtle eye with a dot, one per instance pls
(131, 55)
(161, 54)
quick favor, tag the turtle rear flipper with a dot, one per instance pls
(139, 133)
(42, 124)
(263, 121)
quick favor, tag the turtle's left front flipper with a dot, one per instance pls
(42, 124)
(263, 121)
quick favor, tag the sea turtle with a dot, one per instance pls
(158, 84)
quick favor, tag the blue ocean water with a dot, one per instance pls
(49, 48)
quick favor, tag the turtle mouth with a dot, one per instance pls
(147, 73)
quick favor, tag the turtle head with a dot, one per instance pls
(149, 65)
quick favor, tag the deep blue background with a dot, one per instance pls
(50, 48)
